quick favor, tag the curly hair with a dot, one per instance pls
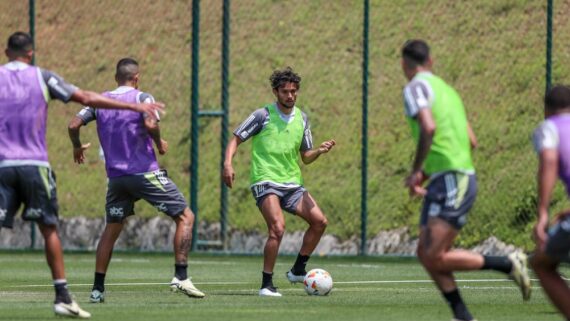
(280, 77)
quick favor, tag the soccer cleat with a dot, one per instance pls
(186, 287)
(519, 273)
(269, 291)
(97, 296)
(71, 310)
(295, 278)
(462, 320)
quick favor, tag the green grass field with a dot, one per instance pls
(391, 289)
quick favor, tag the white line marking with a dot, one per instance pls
(238, 283)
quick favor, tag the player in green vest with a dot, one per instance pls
(281, 137)
(444, 138)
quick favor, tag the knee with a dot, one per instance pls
(276, 231)
(187, 217)
(432, 260)
(321, 224)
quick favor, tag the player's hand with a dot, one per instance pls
(539, 234)
(414, 183)
(163, 147)
(153, 110)
(326, 146)
(79, 153)
(228, 175)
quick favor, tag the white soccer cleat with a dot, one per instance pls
(97, 296)
(186, 287)
(294, 278)
(71, 310)
(519, 273)
(269, 291)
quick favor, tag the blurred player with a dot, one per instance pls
(444, 140)
(280, 133)
(552, 143)
(126, 138)
(25, 173)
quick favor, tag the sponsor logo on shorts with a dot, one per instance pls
(565, 225)
(434, 209)
(116, 211)
(161, 207)
(33, 213)
(3, 214)
(161, 177)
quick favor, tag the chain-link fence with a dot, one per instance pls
(492, 52)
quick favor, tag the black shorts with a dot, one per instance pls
(154, 187)
(558, 244)
(449, 197)
(34, 186)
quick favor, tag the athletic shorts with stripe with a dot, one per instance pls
(154, 187)
(35, 187)
(558, 244)
(289, 196)
(449, 197)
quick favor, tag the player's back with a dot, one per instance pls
(561, 123)
(23, 113)
(124, 137)
(451, 149)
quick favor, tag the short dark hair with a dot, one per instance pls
(281, 77)
(557, 97)
(415, 52)
(20, 42)
(127, 68)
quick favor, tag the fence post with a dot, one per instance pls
(225, 117)
(194, 118)
(364, 165)
(549, 44)
(32, 21)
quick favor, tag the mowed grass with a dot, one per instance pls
(392, 289)
(491, 51)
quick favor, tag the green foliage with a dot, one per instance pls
(491, 51)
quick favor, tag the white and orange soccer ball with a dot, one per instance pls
(318, 282)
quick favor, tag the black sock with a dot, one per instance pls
(497, 263)
(61, 292)
(267, 280)
(456, 304)
(181, 271)
(299, 268)
(99, 283)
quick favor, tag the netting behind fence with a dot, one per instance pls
(492, 52)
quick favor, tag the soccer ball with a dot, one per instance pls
(318, 282)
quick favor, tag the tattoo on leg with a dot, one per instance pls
(184, 246)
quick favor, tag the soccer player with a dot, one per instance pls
(126, 138)
(552, 143)
(444, 140)
(25, 173)
(280, 133)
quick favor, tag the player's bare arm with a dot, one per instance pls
(311, 155)
(95, 100)
(547, 176)
(427, 131)
(74, 135)
(228, 173)
(154, 131)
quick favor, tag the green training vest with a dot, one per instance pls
(451, 148)
(275, 150)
